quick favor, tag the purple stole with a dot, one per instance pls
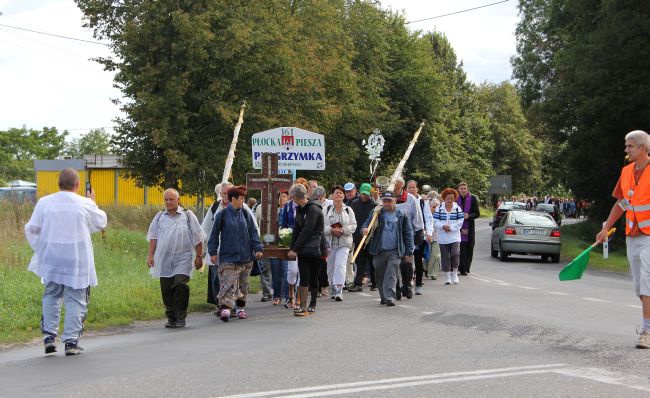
(464, 232)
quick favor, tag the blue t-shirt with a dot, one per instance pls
(390, 234)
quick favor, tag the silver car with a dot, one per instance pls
(526, 232)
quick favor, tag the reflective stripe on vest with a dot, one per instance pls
(636, 199)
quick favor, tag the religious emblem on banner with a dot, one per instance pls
(374, 147)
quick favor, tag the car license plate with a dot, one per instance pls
(537, 232)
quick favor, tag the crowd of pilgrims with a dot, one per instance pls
(568, 207)
(418, 232)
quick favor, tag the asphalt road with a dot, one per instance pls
(508, 330)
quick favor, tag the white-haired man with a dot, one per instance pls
(59, 233)
(174, 236)
(633, 198)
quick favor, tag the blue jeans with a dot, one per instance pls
(279, 277)
(76, 307)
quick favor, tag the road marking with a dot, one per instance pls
(490, 279)
(480, 279)
(406, 306)
(528, 287)
(603, 376)
(377, 300)
(559, 293)
(504, 284)
(637, 307)
(483, 229)
(427, 313)
(595, 300)
(365, 294)
(345, 388)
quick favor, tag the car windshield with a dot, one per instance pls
(545, 207)
(512, 206)
(532, 219)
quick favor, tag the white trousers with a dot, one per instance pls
(337, 262)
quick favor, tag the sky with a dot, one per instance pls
(51, 82)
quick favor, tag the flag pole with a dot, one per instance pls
(233, 145)
(391, 186)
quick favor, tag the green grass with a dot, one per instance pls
(125, 294)
(578, 237)
(487, 212)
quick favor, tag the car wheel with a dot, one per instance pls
(494, 253)
(544, 258)
(503, 256)
(555, 258)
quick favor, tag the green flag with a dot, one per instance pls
(576, 268)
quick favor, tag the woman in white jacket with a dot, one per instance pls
(340, 224)
(448, 220)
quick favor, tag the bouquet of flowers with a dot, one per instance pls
(285, 236)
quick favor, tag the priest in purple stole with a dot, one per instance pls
(469, 204)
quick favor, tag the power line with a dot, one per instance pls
(53, 35)
(458, 12)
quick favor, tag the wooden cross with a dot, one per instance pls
(271, 184)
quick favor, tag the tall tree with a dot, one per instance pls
(20, 147)
(582, 70)
(95, 142)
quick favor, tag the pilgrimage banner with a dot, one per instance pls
(297, 149)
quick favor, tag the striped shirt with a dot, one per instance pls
(454, 219)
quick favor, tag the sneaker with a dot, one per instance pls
(266, 299)
(448, 281)
(338, 298)
(180, 323)
(644, 340)
(455, 279)
(50, 344)
(72, 348)
(301, 312)
(390, 303)
(225, 315)
(418, 290)
(241, 314)
(408, 293)
(382, 302)
(355, 289)
(311, 310)
(171, 323)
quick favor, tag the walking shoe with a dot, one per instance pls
(338, 298)
(225, 315)
(301, 312)
(644, 340)
(382, 302)
(171, 323)
(390, 304)
(448, 281)
(355, 289)
(463, 273)
(311, 310)
(180, 323)
(455, 279)
(409, 293)
(241, 314)
(50, 344)
(373, 288)
(72, 348)
(266, 299)
(418, 290)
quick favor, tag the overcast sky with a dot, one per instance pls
(46, 81)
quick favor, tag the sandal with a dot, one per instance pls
(301, 312)
(276, 301)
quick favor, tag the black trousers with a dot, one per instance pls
(406, 271)
(418, 256)
(309, 270)
(466, 256)
(176, 296)
(213, 284)
(323, 281)
(364, 264)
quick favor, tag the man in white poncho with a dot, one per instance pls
(59, 233)
(175, 242)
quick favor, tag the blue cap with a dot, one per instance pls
(349, 186)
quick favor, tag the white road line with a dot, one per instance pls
(603, 376)
(559, 293)
(528, 288)
(637, 307)
(483, 229)
(406, 306)
(595, 300)
(365, 294)
(480, 279)
(377, 300)
(427, 313)
(504, 284)
(490, 279)
(413, 384)
(391, 382)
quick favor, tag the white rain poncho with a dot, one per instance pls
(59, 233)
(176, 238)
